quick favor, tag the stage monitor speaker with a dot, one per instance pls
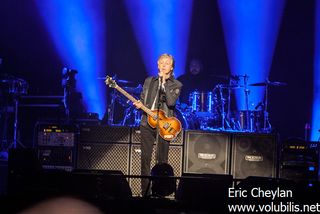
(206, 152)
(104, 156)
(254, 155)
(136, 137)
(99, 184)
(204, 192)
(87, 184)
(256, 185)
(174, 159)
(23, 165)
(103, 134)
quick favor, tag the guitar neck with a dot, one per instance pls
(131, 98)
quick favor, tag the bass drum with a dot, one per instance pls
(188, 120)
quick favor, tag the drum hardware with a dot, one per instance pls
(201, 101)
(269, 83)
(246, 93)
(266, 125)
(234, 84)
(223, 101)
(129, 111)
(134, 90)
(226, 121)
(13, 88)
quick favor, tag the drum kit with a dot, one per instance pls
(206, 110)
(212, 110)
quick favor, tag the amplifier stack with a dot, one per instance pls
(299, 160)
(101, 147)
(56, 146)
(104, 148)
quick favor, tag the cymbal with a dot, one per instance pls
(118, 81)
(269, 83)
(225, 77)
(230, 86)
(124, 81)
(134, 90)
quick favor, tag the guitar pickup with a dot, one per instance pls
(166, 126)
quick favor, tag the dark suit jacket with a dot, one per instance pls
(168, 98)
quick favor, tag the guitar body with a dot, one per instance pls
(169, 127)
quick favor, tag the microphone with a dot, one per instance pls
(259, 104)
(160, 77)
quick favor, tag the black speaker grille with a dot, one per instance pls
(174, 159)
(254, 155)
(110, 156)
(206, 152)
(136, 137)
(102, 134)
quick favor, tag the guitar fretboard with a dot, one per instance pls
(131, 98)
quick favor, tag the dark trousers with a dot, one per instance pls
(148, 138)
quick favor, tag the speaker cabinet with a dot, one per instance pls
(206, 152)
(102, 134)
(254, 155)
(174, 159)
(206, 193)
(23, 165)
(136, 137)
(103, 184)
(107, 156)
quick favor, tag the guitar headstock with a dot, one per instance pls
(110, 82)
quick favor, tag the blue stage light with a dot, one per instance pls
(77, 30)
(315, 125)
(250, 28)
(161, 27)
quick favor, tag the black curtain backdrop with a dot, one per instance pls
(29, 53)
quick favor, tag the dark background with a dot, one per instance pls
(28, 53)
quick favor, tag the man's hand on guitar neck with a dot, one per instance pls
(138, 104)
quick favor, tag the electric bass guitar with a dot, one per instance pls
(169, 127)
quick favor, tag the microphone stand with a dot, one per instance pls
(265, 112)
(158, 104)
(246, 90)
(158, 108)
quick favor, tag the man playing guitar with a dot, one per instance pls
(161, 92)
